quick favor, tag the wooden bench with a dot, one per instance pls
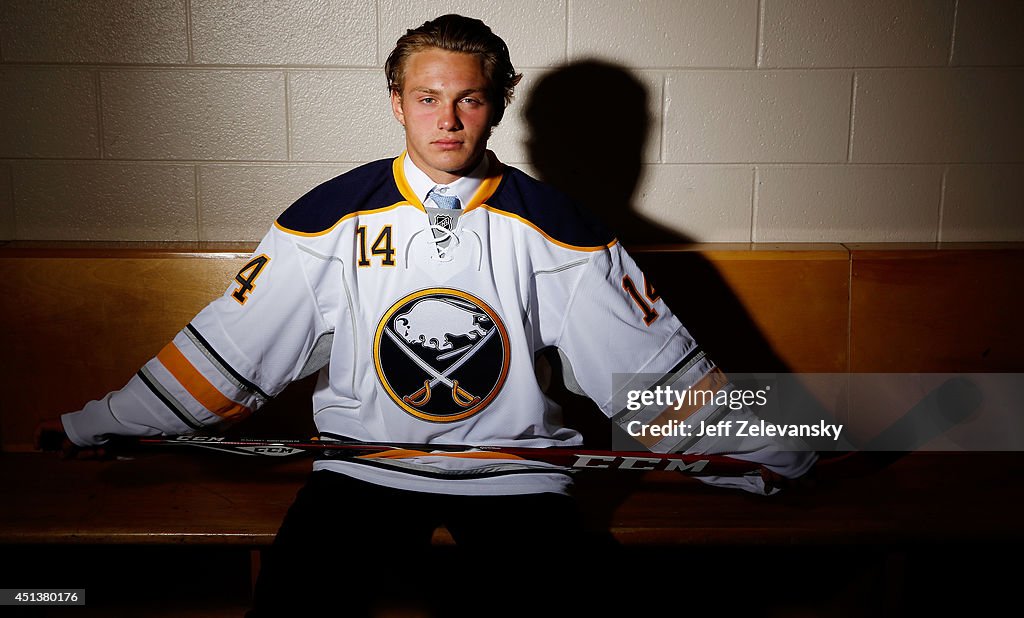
(82, 318)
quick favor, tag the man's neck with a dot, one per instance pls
(441, 177)
(464, 186)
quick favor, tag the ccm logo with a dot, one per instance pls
(637, 463)
(272, 450)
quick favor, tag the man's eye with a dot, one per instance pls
(427, 100)
(470, 101)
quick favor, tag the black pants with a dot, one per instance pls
(349, 548)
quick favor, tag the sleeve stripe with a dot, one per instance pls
(222, 365)
(693, 357)
(198, 386)
(168, 400)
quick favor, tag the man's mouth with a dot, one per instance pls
(445, 144)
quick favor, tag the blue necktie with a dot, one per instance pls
(450, 202)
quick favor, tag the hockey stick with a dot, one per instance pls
(641, 461)
(944, 407)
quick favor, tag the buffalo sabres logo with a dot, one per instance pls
(441, 354)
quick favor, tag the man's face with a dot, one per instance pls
(445, 111)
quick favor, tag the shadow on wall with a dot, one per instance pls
(588, 124)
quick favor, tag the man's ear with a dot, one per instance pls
(396, 107)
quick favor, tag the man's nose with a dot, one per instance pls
(448, 120)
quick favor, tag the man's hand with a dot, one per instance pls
(50, 436)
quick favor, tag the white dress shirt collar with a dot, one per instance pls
(465, 187)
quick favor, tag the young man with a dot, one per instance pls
(421, 289)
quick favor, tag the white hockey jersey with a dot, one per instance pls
(429, 334)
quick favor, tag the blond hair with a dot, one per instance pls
(464, 35)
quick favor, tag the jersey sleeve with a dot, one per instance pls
(238, 352)
(619, 336)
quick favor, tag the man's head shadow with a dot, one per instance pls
(588, 128)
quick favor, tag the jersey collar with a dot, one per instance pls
(473, 189)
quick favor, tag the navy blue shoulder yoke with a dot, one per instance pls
(553, 212)
(366, 187)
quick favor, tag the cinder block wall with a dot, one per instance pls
(772, 120)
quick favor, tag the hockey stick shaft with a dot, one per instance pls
(642, 461)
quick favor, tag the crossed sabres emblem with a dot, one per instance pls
(430, 328)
